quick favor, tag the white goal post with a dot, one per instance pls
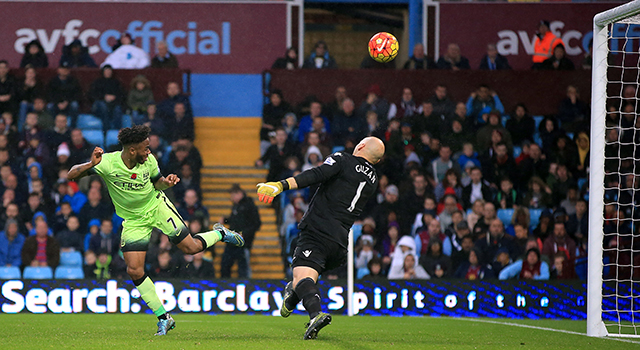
(613, 294)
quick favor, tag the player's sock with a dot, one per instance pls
(148, 293)
(292, 301)
(209, 238)
(308, 291)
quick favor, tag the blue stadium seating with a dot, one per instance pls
(112, 138)
(117, 222)
(95, 137)
(538, 119)
(534, 215)
(517, 150)
(504, 120)
(70, 259)
(537, 139)
(88, 122)
(363, 271)
(9, 273)
(581, 182)
(357, 232)
(37, 273)
(570, 135)
(505, 216)
(337, 149)
(126, 121)
(69, 273)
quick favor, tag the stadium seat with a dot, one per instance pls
(117, 222)
(37, 273)
(9, 273)
(537, 139)
(337, 149)
(517, 150)
(363, 271)
(538, 119)
(95, 137)
(88, 122)
(69, 273)
(581, 268)
(504, 120)
(357, 232)
(126, 121)
(505, 216)
(581, 182)
(71, 259)
(534, 215)
(469, 211)
(570, 135)
(112, 138)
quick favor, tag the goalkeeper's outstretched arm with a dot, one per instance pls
(268, 191)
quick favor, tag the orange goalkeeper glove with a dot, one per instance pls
(268, 191)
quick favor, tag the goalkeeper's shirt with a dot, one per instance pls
(131, 190)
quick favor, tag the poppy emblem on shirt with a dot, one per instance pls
(134, 176)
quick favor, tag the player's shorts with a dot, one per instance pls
(136, 233)
(320, 255)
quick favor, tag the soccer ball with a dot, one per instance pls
(383, 47)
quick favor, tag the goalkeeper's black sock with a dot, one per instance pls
(163, 316)
(308, 291)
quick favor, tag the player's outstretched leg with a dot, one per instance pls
(289, 301)
(219, 233)
(310, 295)
(229, 236)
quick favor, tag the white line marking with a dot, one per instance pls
(541, 328)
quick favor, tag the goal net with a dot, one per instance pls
(613, 291)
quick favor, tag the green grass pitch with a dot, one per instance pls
(197, 331)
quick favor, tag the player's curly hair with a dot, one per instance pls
(133, 135)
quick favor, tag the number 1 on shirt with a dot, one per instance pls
(357, 196)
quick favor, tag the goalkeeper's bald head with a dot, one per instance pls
(370, 148)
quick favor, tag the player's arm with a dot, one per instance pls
(328, 169)
(81, 170)
(162, 183)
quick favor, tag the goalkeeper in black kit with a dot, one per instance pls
(346, 183)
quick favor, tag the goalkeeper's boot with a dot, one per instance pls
(229, 236)
(165, 325)
(286, 309)
(316, 324)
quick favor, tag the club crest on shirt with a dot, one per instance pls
(134, 176)
(329, 161)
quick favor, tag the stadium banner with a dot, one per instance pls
(512, 27)
(512, 299)
(208, 37)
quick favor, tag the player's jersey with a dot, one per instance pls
(347, 182)
(131, 190)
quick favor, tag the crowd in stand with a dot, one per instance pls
(549, 54)
(467, 189)
(41, 137)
